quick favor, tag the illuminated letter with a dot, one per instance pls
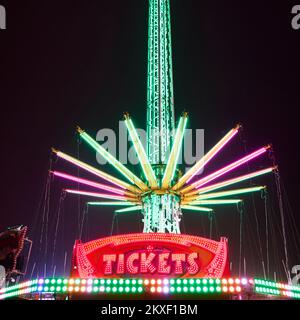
(178, 258)
(296, 18)
(193, 267)
(109, 259)
(146, 263)
(2, 18)
(162, 263)
(129, 264)
(120, 265)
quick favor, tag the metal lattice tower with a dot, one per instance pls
(161, 212)
(159, 192)
(160, 108)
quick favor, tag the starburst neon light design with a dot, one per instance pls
(159, 192)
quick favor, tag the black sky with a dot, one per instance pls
(64, 63)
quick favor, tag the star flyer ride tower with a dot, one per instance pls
(159, 193)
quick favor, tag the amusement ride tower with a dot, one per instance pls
(160, 193)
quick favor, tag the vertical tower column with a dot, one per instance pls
(161, 211)
(160, 106)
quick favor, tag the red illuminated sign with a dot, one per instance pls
(155, 255)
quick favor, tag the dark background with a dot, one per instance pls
(64, 63)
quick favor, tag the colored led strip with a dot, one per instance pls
(92, 184)
(99, 195)
(97, 172)
(139, 148)
(231, 181)
(188, 176)
(227, 193)
(195, 208)
(113, 161)
(221, 172)
(173, 158)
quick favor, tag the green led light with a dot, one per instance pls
(58, 289)
(96, 289)
(198, 289)
(114, 289)
(140, 289)
(205, 289)
(178, 289)
(212, 289)
(192, 289)
(46, 289)
(108, 289)
(185, 289)
(121, 289)
(172, 289)
(127, 289)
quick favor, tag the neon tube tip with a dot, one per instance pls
(79, 130)
(185, 114)
(54, 150)
(126, 115)
(269, 146)
(238, 126)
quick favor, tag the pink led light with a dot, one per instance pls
(96, 195)
(88, 183)
(229, 168)
(90, 169)
(216, 150)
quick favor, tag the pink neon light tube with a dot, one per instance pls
(98, 195)
(229, 168)
(89, 183)
(215, 150)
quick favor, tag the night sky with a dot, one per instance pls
(64, 63)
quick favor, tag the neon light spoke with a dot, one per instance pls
(229, 193)
(221, 172)
(96, 172)
(173, 158)
(112, 160)
(195, 208)
(139, 148)
(92, 184)
(207, 158)
(130, 209)
(112, 203)
(231, 181)
(98, 195)
(214, 202)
